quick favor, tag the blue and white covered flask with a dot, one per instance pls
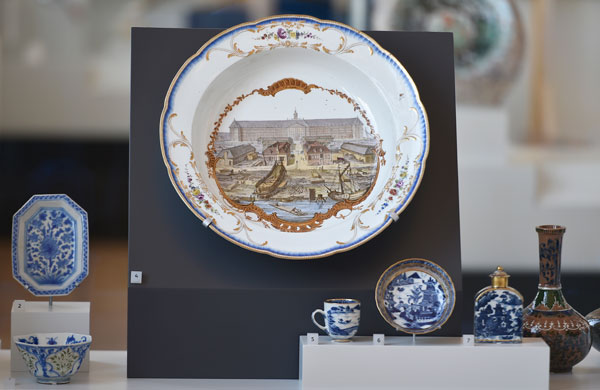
(498, 312)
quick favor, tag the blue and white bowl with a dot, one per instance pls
(52, 358)
(415, 296)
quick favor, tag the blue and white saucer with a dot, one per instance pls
(50, 245)
(415, 296)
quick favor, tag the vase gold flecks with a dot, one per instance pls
(549, 315)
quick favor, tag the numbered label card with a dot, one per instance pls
(136, 277)
(19, 305)
(378, 339)
(312, 338)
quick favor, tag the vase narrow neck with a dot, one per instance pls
(550, 245)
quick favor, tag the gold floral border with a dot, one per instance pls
(273, 218)
(391, 185)
(242, 222)
(235, 51)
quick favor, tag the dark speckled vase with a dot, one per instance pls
(549, 315)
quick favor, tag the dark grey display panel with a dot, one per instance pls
(210, 309)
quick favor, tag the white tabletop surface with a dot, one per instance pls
(108, 370)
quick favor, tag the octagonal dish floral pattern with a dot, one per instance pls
(50, 245)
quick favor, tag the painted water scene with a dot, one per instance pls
(343, 320)
(296, 164)
(415, 300)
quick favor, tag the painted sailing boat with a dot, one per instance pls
(348, 190)
(272, 182)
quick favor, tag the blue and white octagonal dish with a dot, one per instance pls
(52, 358)
(50, 245)
(415, 296)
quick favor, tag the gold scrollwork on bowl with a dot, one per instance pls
(287, 34)
(273, 218)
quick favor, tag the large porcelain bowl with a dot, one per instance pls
(294, 136)
(53, 358)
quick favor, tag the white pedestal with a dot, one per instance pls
(38, 317)
(431, 362)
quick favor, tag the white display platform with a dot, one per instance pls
(108, 370)
(39, 317)
(431, 362)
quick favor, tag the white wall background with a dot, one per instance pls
(508, 184)
(64, 72)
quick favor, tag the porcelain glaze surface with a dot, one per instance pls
(293, 130)
(50, 245)
(415, 296)
(549, 316)
(52, 358)
(499, 317)
(593, 319)
(342, 318)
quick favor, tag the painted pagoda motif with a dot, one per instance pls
(343, 320)
(498, 312)
(415, 300)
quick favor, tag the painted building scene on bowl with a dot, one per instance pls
(296, 166)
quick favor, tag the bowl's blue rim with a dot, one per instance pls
(423, 123)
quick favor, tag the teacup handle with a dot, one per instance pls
(315, 321)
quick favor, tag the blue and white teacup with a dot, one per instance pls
(341, 318)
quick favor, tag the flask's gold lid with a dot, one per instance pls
(499, 278)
